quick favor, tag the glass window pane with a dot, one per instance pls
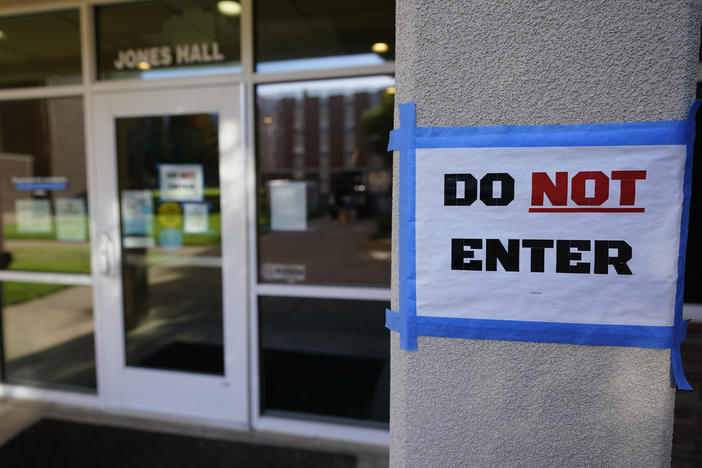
(47, 335)
(168, 172)
(43, 192)
(38, 50)
(167, 38)
(687, 436)
(324, 359)
(324, 181)
(693, 262)
(293, 35)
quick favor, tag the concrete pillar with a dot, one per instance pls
(485, 62)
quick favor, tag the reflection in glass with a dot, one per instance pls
(43, 189)
(41, 49)
(47, 335)
(687, 437)
(693, 260)
(168, 173)
(324, 359)
(166, 38)
(324, 181)
(293, 35)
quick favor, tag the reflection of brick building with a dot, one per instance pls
(41, 138)
(65, 126)
(12, 165)
(314, 137)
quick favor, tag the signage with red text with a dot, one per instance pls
(559, 234)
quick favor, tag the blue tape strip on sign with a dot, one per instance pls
(669, 132)
(403, 140)
(409, 137)
(541, 332)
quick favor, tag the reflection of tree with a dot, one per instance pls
(377, 123)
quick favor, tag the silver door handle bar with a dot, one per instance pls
(107, 255)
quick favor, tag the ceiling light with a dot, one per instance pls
(143, 66)
(380, 47)
(229, 7)
(268, 119)
(390, 90)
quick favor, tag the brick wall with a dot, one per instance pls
(65, 120)
(12, 165)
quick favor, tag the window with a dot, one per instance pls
(292, 35)
(324, 181)
(324, 203)
(325, 359)
(43, 186)
(166, 38)
(693, 261)
(41, 49)
(171, 241)
(48, 336)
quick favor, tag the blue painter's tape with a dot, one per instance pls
(671, 132)
(676, 357)
(405, 141)
(409, 137)
(393, 321)
(540, 332)
(395, 140)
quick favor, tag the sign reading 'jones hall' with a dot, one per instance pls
(165, 56)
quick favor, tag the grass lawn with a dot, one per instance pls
(16, 293)
(10, 232)
(58, 258)
(65, 257)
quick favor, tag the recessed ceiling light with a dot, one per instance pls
(229, 7)
(143, 66)
(380, 47)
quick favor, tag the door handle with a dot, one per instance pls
(107, 255)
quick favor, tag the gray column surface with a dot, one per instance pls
(485, 62)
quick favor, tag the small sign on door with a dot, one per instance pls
(181, 182)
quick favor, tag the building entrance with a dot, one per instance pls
(171, 251)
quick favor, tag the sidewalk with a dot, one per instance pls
(17, 415)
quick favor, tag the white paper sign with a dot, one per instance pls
(181, 182)
(137, 213)
(71, 220)
(33, 216)
(288, 205)
(290, 273)
(590, 236)
(196, 218)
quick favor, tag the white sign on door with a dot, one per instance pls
(288, 205)
(181, 182)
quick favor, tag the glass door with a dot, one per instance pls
(171, 253)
